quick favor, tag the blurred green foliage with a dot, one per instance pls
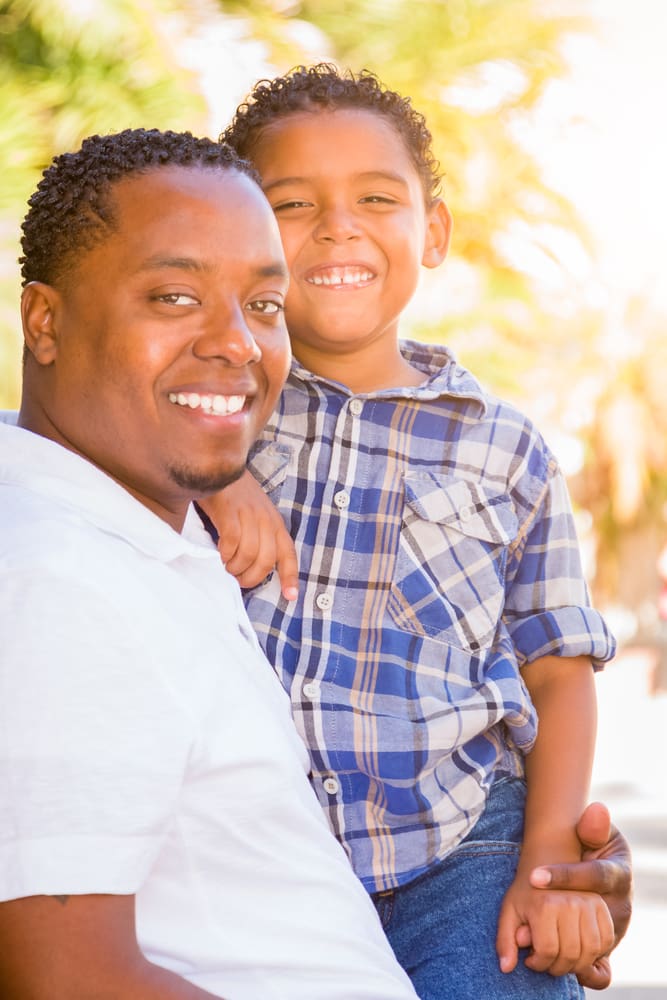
(477, 69)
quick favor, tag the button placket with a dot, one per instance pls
(342, 499)
(324, 601)
(311, 690)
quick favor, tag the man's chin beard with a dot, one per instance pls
(202, 484)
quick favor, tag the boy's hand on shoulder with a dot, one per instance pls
(253, 538)
(569, 931)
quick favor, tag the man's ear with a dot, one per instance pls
(438, 233)
(39, 311)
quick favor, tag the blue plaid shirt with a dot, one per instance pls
(437, 556)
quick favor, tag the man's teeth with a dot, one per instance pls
(219, 405)
(341, 276)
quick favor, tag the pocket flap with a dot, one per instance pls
(268, 463)
(469, 508)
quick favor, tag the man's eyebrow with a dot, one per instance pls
(277, 270)
(273, 270)
(159, 262)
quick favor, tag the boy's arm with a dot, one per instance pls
(79, 947)
(253, 537)
(569, 930)
(605, 868)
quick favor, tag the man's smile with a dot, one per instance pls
(210, 403)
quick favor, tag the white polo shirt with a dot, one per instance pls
(147, 747)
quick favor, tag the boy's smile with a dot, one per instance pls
(355, 229)
(340, 277)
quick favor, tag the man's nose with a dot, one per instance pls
(226, 335)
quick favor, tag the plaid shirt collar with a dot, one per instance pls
(446, 377)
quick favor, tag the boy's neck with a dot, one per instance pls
(361, 373)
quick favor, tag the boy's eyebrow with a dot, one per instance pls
(158, 261)
(368, 175)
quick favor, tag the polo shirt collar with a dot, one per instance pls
(42, 466)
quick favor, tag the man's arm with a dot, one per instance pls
(80, 948)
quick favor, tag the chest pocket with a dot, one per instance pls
(449, 582)
(268, 463)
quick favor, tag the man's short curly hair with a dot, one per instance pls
(324, 86)
(72, 209)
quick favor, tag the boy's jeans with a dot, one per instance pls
(442, 926)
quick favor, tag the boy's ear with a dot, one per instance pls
(39, 311)
(438, 233)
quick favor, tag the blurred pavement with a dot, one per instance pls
(630, 777)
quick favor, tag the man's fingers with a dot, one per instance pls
(594, 826)
(584, 876)
(596, 976)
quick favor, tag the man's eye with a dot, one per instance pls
(265, 306)
(295, 203)
(177, 299)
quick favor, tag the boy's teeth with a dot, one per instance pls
(341, 276)
(217, 404)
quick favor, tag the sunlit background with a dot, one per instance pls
(548, 119)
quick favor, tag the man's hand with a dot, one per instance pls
(605, 868)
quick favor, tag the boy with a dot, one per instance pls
(442, 606)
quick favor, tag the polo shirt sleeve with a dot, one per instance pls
(92, 746)
(547, 607)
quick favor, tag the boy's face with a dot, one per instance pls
(163, 354)
(351, 210)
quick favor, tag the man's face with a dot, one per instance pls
(171, 345)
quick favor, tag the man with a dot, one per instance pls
(151, 775)
(158, 836)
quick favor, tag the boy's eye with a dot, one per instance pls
(177, 299)
(266, 307)
(378, 199)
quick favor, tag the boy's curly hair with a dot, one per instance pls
(309, 88)
(72, 209)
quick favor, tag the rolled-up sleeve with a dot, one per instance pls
(548, 609)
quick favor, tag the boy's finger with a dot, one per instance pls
(241, 547)
(229, 541)
(506, 946)
(288, 567)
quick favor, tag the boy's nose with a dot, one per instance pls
(226, 335)
(337, 224)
